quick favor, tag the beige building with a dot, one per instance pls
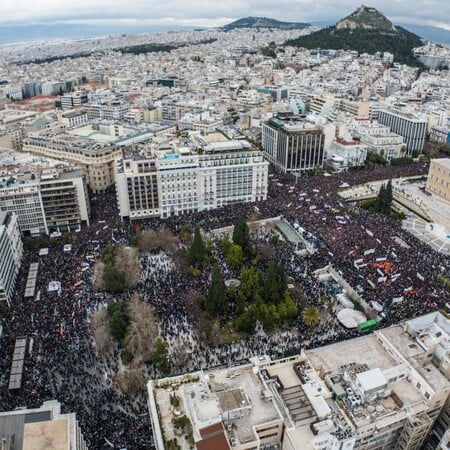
(96, 160)
(40, 428)
(438, 182)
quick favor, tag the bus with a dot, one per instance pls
(367, 326)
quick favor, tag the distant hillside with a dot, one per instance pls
(263, 22)
(366, 31)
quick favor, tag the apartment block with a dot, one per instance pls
(52, 200)
(11, 251)
(24, 199)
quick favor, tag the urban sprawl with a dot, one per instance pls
(204, 247)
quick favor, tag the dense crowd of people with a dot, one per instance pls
(371, 251)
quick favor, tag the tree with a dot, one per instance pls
(311, 315)
(126, 262)
(185, 234)
(250, 282)
(225, 244)
(241, 236)
(114, 281)
(216, 300)
(197, 251)
(108, 254)
(131, 382)
(160, 357)
(389, 195)
(384, 199)
(118, 320)
(235, 256)
(142, 329)
(275, 284)
(101, 332)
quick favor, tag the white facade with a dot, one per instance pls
(108, 111)
(411, 128)
(54, 200)
(344, 154)
(11, 251)
(185, 181)
(387, 145)
(24, 199)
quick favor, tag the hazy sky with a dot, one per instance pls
(213, 13)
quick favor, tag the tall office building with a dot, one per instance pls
(183, 180)
(10, 254)
(376, 392)
(293, 144)
(413, 129)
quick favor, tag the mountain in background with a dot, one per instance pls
(366, 31)
(263, 22)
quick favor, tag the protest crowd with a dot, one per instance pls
(370, 250)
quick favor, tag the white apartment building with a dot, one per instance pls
(252, 98)
(24, 199)
(203, 123)
(173, 109)
(11, 251)
(379, 391)
(388, 145)
(412, 129)
(293, 144)
(114, 110)
(53, 87)
(379, 139)
(73, 118)
(42, 205)
(182, 180)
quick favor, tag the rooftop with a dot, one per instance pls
(445, 162)
(230, 396)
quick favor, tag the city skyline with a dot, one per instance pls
(210, 14)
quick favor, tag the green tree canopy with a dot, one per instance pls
(235, 256)
(216, 300)
(113, 279)
(160, 357)
(118, 320)
(241, 236)
(275, 284)
(250, 282)
(197, 252)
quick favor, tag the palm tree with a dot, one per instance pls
(311, 315)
